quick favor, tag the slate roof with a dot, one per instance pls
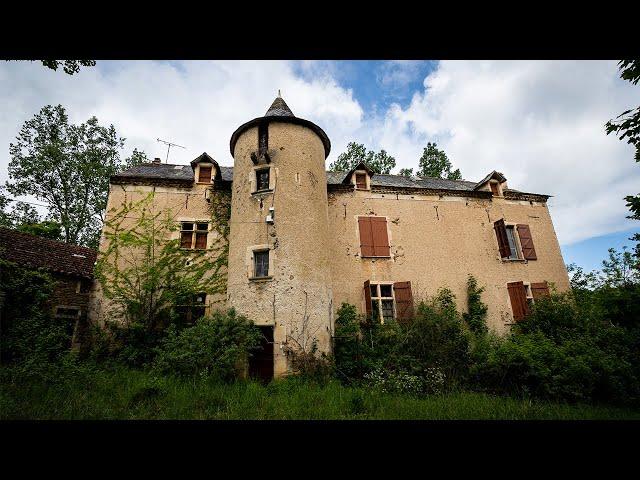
(51, 255)
(170, 172)
(279, 108)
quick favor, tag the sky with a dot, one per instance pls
(540, 123)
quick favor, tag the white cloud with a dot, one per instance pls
(540, 123)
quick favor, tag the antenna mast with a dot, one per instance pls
(169, 145)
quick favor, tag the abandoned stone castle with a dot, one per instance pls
(303, 240)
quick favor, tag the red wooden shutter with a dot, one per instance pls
(503, 241)
(361, 181)
(404, 301)
(526, 242)
(185, 239)
(205, 175)
(518, 298)
(367, 298)
(540, 290)
(201, 240)
(366, 237)
(380, 236)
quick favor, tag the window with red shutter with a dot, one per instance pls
(361, 181)
(374, 239)
(194, 235)
(205, 175)
(503, 240)
(539, 290)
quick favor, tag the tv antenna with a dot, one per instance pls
(169, 145)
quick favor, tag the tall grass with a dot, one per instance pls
(133, 394)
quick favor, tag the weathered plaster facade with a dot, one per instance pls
(438, 231)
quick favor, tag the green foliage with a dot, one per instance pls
(69, 66)
(15, 213)
(68, 167)
(215, 346)
(380, 162)
(145, 273)
(435, 163)
(406, 172)
(476, 316)
(46, 229)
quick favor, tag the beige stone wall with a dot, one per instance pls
(297, 300)
(183, 204)
(437, 242)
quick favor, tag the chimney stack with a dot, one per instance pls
(157, 160)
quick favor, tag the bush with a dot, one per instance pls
(310, 366)
(216, 346)
(393, 382)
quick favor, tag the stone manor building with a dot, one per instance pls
(303, 240)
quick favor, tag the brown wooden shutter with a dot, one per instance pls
(503, 240)
(380, 236)
(205, 175)
(526, 242)
(367, 299)
(518, 298)
(185, 239)
(539, 290)
(361, 181)
(201, 240)
(366, 237)
(404, 301)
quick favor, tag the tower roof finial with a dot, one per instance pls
(279, 96)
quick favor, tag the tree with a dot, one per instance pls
(146, 274)
(46, 229)
(434, 163)
(627, 127)
(380, 162)
(406, 172)
(68, 167)
(20, 213)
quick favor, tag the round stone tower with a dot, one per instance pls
(279, 273)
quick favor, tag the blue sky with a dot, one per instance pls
(541, 123)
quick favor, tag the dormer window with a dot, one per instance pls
(204, 175)
(361, 181)
(495, 188)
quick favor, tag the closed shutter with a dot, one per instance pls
(366, 237)
(367, 299)
(380, 236)
(185, 239)
(205, 175)
(539, 290)
(526, 242)
(503, 241)
(361, 181)
(201, 240)
(518, 300)
(404, 301)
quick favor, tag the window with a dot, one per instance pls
(361, 181)
(261, 264)
(495, 189)
(84, 286)
(512, 246)
(262, 179)
(190, 312)
(374, 240)
(205, 175)
(382, 302)
(518, 294)
(193, 235)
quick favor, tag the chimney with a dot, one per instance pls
(156, 161)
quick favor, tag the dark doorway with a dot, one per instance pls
(261, 361)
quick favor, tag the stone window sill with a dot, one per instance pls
(261, 279)
(371, 256)
(514, 260)
(258, 192)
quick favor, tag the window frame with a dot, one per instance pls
(210, 167)
(498, 188)
(257, 172)
(363, 174)
(194, 231)
(374, 245)
(254, 263)
(378, 299)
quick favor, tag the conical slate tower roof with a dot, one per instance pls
(279, 108)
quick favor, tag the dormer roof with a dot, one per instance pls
(206, 158)
(495, 175)
(360, 166)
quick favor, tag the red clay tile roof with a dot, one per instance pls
(51, 255)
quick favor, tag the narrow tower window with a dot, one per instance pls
(261, 264)
(262, 179)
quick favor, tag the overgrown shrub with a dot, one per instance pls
(476, 316)
(216, 346)
(311, 366)
(393, 382)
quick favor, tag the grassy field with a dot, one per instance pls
(131, 394)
